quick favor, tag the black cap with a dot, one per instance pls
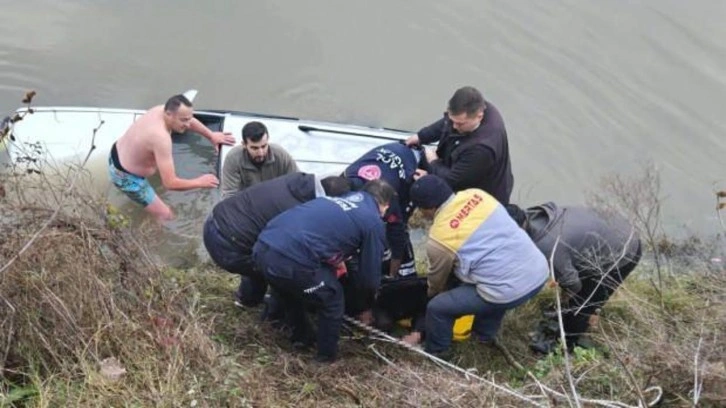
(430, 192)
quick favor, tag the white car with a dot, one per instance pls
(56, 135)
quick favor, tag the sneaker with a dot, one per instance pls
(272, 310)
(246, 300)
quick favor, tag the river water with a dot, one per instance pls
(587, 88)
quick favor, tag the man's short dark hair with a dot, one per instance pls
(335, 186)
(173, 103)
(381, 191)
(253, 131)
(466, 100)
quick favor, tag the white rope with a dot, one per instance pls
(438, 360)
(469, 374)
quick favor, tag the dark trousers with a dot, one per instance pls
(443, 310)
(402, 298)
(598, 290)
(235, 259)
(300, 286)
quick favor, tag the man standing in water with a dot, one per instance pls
(146, 146)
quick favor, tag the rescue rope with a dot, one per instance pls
(468, 373)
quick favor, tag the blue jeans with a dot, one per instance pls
(235, 259)
(448, 306)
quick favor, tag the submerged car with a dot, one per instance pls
(56, 135)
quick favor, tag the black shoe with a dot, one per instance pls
(301, 346)
(324, 359)
(544, 346)
(302, 342)
(238, 296)
(446, 355)
(245, 300)
(272, 310)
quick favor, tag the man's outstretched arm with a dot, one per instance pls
(167, 173)
(217, 138)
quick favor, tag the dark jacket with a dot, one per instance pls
(242, 216)
(329, 230)
(395, 163)
(479, 159)
(589, 242)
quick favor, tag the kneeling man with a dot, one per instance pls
(497, 264)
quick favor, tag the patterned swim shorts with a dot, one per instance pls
(136, 188)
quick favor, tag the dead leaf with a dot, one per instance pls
(111, 369)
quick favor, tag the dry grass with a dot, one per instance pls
(86, 290)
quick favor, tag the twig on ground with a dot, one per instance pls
(563, 339)
(698, 383)
(440, 361)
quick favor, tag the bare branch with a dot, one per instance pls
(563, 339)
(58, 208)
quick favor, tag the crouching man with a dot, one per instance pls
(595, 253)
(234, 224)
(498, 265)
(300, 250)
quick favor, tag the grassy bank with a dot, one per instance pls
(88, 319)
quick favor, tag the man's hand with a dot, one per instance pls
(219, 138)
(413, 338)
(365, 317)
(340, 270)
(208, 181)
(412, 140)
(431, 155)
(419, 173)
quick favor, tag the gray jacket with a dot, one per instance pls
(589, 242)
(239, 172)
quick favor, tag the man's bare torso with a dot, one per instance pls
(136, 147)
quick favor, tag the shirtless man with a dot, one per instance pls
(146, 147)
